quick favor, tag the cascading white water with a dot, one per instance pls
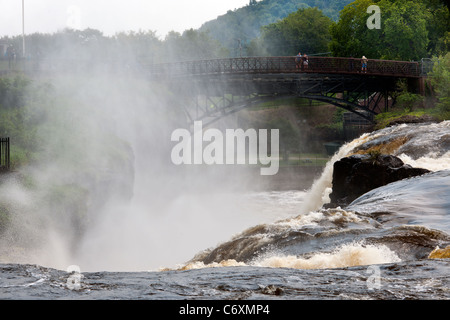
(324, 223)
(423, 137)
(321, 188)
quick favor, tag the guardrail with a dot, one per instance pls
(247, 65)
(286, 65)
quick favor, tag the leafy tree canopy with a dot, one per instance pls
(440, 78)
(306, 31)
(124, 47)
(236, 29)
(410, 30)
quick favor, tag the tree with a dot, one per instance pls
(404, 33)
(438, 27)
(191, 45)
(348, 33)
(143, 46)
(410, 30)
(245, 23)
(440, 80)
(306, 30)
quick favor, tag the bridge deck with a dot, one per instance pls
(271, 65)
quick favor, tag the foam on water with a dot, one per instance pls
(312, 218)
(347, 255)
(432, 161)
(321, 189)
(424, 146)
(279, 244)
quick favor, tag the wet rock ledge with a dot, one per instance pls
(355, 175)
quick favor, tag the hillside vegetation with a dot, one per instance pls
(236, 29)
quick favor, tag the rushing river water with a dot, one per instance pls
(376, 248)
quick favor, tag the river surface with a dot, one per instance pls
(376, 248)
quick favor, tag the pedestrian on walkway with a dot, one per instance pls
(298, 61)
(364, 64)
(305, 61)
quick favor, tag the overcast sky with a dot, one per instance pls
(111, 16)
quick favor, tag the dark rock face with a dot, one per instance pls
(355, 175)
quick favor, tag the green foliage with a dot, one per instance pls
(21, 112)
(405, 100)
(144, 46)
(409, 101)
(348, 33)
(228, 35)
(12, 92)
(438, 27)
(408, 104)
(125, 48)
(5, 217)
(191, 45)
(398, 115)
(410, 30)
(339, 115)
(440, 79)
(405, 30)
(305, 30)
(242, 26)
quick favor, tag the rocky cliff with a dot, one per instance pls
(357, 174)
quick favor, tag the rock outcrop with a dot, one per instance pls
(355, 175)
(440, 253)
(412, 119)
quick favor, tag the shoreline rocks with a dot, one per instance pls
(413, 119)
(357, 174)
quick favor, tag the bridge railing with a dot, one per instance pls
(250, 65)
(246, 65)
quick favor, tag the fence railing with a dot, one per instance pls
(5, 160)
(248, 65)
(286, 65)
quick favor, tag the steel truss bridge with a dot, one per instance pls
(212, 89)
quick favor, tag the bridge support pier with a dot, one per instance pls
(417, 85)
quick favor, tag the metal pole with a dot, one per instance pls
(8, 161)
(23, 27)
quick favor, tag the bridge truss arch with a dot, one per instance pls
(213, 89)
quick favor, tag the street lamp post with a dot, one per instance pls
(23, 27)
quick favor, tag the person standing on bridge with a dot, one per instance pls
(305, 61)
(298, 60)
(364, 64)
